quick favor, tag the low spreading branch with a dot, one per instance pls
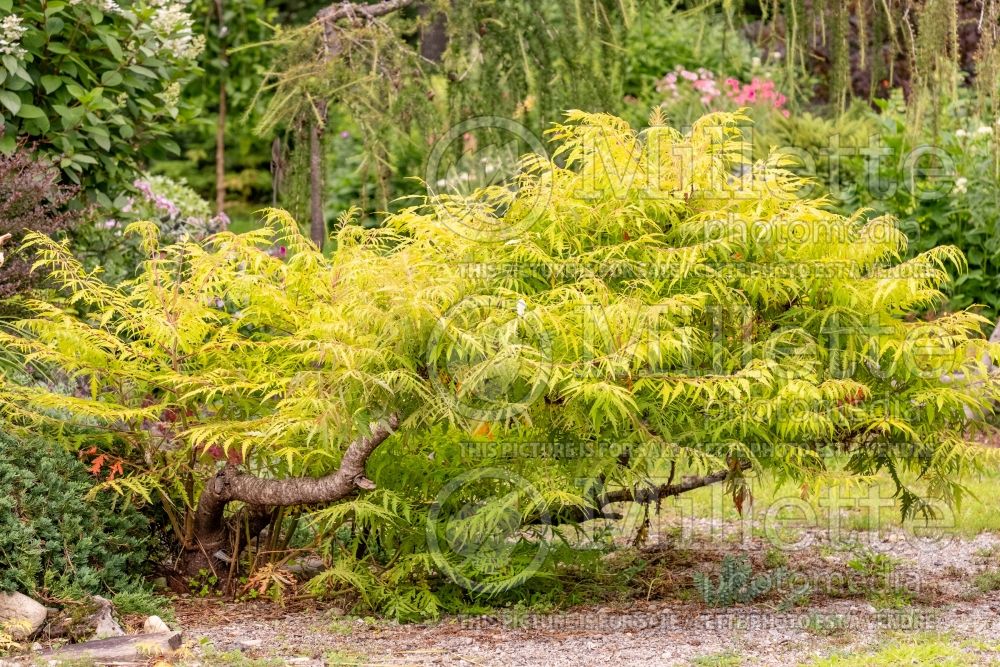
(231, 484)
(648, 494)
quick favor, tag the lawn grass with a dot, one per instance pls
(922, 649)
(843, 506)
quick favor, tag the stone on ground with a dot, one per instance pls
(20, 616)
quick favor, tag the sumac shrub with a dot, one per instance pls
(53, 536)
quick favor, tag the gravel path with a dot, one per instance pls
(938, 577)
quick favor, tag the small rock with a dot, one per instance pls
(88, 621)
(20, 616)
(154, 624)
(105, 625)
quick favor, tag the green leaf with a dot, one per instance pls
(51, 83)
(53, 25)
(30, 111)
(42, 122)
(7, 5)
(76, 91)
(144, 71)
(11, 101)
(113, 46)
(70, 115)
(100, 137)
(111, 78)
(22, 73)
(8, 144)
(171, 146)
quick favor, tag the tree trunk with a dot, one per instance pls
(214, 535)
(433, 34)
(220, 154)
(220, 129)
(317, 219)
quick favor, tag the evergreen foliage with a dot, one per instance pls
(56, 536)
(736, 583)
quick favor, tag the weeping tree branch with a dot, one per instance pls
(354, 14)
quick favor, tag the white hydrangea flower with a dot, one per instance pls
(11, 31)
(961, 184)
(960, 133)
(984, 129)
(175, 27)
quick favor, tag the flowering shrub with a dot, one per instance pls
(31, 199)
(702, 81)
(758, 91)
(682, 86)
(945, 189)
(180, 214)
(95, 83)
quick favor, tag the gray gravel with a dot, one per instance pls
(659, 632)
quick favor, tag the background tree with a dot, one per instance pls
(364, 60)
(233, 63)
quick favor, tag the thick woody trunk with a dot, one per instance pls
(212, 551)
(433, 34)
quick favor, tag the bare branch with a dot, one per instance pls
(355, 11)
(640, 495)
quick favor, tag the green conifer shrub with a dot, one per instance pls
(55, 537)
